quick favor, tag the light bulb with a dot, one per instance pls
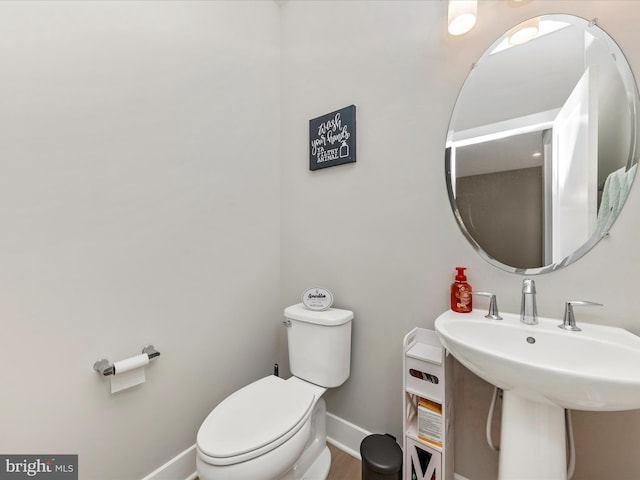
(462, 16)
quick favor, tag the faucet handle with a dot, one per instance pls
(569, 321)
(493, 305)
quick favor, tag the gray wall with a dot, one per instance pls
(139, 203)
(155, 186)
(380, 234)
(503, 212)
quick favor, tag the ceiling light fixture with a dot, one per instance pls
(462, 16)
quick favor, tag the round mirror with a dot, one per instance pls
(542, 146)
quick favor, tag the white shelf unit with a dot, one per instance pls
(426, 358)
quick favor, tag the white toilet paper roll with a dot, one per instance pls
(129, 372)
(131, 363)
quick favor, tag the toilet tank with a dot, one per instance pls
(319, 344)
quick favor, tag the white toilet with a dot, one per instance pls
(275, 428)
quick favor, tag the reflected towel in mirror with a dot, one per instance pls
(616, 189)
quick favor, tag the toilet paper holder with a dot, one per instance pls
(103, 367)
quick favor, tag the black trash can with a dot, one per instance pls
(381, 458)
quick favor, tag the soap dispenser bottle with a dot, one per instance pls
(461, 293)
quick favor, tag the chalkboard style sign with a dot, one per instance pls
(332, 138)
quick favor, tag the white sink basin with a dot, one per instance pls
(595, 369)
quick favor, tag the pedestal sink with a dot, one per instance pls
(543, 370)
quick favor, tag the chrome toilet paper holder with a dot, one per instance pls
(104, 367)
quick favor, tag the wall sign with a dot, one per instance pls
(332, 138)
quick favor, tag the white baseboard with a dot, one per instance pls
(459, 477)
(182, 466)
(345, 435)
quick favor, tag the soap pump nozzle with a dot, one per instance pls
(461, 277)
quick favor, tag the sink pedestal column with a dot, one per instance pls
(532, 441)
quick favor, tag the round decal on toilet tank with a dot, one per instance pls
(317, 298)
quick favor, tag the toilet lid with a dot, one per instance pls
(254, 416)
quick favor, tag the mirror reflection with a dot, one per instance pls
(541, 148)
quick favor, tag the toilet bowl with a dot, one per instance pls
(275, 428)
(261, 431)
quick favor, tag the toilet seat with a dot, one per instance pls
(254, 420)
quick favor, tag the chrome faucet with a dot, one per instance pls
(528, 310)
